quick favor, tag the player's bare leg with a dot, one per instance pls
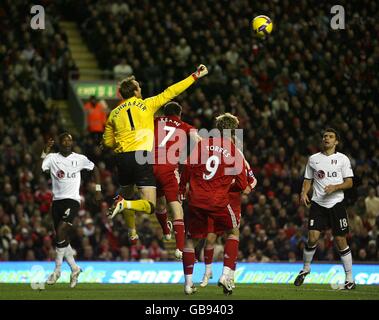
(178, 224)
(188, 264)
(347, 261)
(162, 217)
(208, 258)
(230, 257)
(308, 253)
(149, 194)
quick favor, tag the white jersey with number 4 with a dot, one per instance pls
(326, 170)
(65, 174)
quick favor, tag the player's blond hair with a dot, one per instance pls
(227, 121)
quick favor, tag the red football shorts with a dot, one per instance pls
(235, 203)
(211, 227)
(199, 220)
(167, 179)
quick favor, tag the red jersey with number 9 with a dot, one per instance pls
(219, 164)
(170, 139)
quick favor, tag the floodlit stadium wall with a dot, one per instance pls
(172, 272)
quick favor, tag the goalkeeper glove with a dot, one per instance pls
(200, 72)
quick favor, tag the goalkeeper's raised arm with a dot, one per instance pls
(171, 92)
(130, 126)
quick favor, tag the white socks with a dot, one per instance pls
(208, 268)
(346, 259)
(226, 271)
(188, 280)
(308, 254)
(347, 262)
(69, 255)
(59, 258)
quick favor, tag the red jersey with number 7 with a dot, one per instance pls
(214, 165)
(171, 137)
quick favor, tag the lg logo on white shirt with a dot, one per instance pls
(321, 174)
(61, 174)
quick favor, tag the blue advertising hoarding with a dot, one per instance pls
(172, 272)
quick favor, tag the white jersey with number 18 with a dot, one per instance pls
(327, 170)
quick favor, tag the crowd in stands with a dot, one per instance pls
(284, 89)
(35, 64)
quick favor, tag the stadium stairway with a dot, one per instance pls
(88, 69)
(84, 59)
(65, 117)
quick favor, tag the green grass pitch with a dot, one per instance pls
(86, 291)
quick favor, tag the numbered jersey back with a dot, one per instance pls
(171, 138)
(219, 165)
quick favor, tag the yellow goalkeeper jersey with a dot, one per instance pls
(130, 126)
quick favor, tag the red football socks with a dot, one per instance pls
(208, 255)
(231, 252)
(162, 219)
(179, 233)
(188, 260)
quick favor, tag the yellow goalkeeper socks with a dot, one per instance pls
(139, 205)
(130, 219)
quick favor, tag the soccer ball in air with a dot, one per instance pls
(262, 26)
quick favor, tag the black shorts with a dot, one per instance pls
(132, 173)
(335, 218)
(64, 210)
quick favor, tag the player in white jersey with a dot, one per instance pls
(65, 167)
(331, 173)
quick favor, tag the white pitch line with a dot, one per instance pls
(322, 290)
(350, 291)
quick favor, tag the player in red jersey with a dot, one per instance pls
(214, 165)
(235, 203)
(171, 137)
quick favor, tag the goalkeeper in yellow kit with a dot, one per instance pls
(129, 132)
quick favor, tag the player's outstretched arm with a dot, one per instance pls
(154, 103)
(46, 150)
